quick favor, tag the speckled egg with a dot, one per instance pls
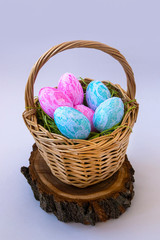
(51, 98)
(96, 93)
(70, 85)
(72, 123)
(88, 112)
(108, 114)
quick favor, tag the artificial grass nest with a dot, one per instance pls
(49, 124)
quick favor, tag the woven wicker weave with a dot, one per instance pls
(82, 162)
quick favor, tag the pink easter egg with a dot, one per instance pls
(88, 112)
(51, 98)
(70, 85)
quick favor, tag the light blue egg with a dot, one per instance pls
(72, 123)
(108, 114)
(96, 93)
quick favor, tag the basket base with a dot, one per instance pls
(97, 203)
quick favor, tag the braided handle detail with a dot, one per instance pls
(29, 90)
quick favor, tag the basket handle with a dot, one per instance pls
(29, 90)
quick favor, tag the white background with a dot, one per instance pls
(27, 30)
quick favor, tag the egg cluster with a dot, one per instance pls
(74, 120)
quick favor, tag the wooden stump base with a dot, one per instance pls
(97, 203)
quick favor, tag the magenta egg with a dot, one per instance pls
(88, 112)
(70, 85)
(51, 98)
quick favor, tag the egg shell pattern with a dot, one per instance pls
(70, 85)
(51, 98)
(96, 93)
(72, 123)
(108, 114)
(88, 112)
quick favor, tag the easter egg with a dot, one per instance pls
(108, 114)
(88, 112)
(72, 123)
(96, 93)
(51, 98)
(70, 85)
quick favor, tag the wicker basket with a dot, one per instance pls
(82, 162)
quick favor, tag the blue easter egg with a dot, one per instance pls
(96, 93)
(108, 114)
(72, 123)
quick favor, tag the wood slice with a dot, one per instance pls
(97, 203)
